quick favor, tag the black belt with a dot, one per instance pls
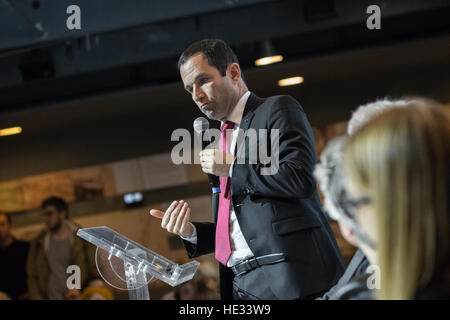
(253, 263)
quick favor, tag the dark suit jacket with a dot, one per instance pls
(280, 212)
(355, 269)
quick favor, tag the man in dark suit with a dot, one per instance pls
(269, 233)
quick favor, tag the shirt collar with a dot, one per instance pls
(238, 110)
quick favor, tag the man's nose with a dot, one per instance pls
(197, 94)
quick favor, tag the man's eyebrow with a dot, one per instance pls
(203, 74)
(200, 75)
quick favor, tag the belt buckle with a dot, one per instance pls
(253, 263)
(249, 265)
(243, 264)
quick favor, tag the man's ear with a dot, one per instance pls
(234, 72)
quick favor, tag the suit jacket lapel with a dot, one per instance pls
(253, 102)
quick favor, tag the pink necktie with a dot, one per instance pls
(223, 246)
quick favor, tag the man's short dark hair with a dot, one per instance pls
(216, 51)
(8, 217)
(59, 203)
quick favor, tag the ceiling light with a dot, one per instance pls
(268, 60)
(268, 54)
(290, 81)
(10, 131)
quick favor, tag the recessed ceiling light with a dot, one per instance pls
(268, 60)
(10, 131)
(290, 81)
(268, 53)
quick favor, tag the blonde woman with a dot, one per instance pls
(397, 168)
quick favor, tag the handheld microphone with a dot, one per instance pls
(201, 125)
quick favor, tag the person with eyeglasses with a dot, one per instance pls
(341, 207)
(396, 168)
(338, 206)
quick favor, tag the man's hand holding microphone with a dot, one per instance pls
(216, 162)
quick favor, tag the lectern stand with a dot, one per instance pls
(127, 265)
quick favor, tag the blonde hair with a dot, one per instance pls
(400, 159)
(366, 112)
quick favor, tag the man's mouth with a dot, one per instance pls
(205, 106)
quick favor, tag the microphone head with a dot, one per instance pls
(201, 124)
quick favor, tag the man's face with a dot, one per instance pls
(213, 94)
(5, 228)
(52, 217)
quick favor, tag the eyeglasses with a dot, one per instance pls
(350, 207)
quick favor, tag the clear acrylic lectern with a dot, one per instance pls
(127, 265)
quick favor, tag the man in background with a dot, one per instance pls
(13, 259)
(53, 250)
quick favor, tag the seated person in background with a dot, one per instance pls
(98, 283)
(96, 293)
(204, 286)
(13, 260)
(330, 177)
(72, 294)
(396, 167)
(96, 289)
(53, 250)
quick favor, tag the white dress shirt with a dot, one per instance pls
(239, 247)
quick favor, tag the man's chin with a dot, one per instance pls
(210, 115)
